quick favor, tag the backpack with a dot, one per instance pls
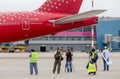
(69, 56)
(57, 55)
(95, 57)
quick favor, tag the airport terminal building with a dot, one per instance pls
(77, 40)
(106, 33)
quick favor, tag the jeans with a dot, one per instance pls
(106, 66)
(69, 66)
(33, 66)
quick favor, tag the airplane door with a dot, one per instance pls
(26, 24)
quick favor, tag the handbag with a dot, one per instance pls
(61, 58)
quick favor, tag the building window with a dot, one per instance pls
(118, 45)
(87, 29)
(88, 38)
(119, 36)
(119, 33)
(94, 28)
(51, 48)
(69, 38)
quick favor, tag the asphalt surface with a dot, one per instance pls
(16, 66)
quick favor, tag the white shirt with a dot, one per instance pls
(105, 54)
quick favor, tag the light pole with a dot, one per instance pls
(92, 28)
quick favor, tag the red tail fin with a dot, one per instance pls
(61, 6)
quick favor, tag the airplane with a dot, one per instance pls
(52, 17)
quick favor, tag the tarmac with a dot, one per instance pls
(16, 66)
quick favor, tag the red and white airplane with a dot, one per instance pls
(52, 17)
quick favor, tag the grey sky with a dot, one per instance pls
(112, 6)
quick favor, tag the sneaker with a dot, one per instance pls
(36, 74)
(58, 73)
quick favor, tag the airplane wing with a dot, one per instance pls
(77, 17)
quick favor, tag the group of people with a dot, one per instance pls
(58, 57)
(93, 57)
(33, 58)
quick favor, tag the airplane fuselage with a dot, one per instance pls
(25, 25)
